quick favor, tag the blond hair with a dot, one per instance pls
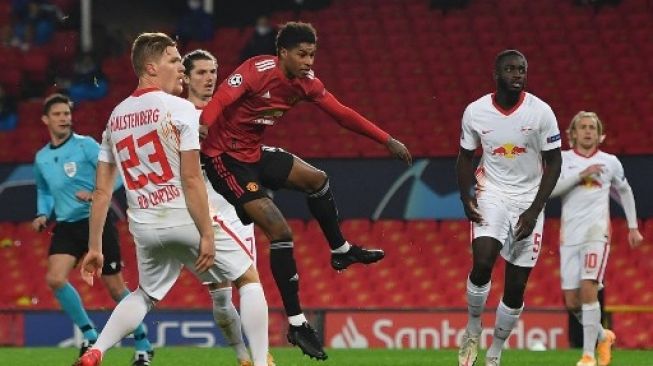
(580, 115)
(149, 46)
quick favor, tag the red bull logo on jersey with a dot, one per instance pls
(509, 151)
(590, 182)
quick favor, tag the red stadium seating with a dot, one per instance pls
(425, 255)
(413, 94)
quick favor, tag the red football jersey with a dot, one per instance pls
(255, 96)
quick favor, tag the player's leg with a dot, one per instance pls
(59, 266)
(485, 251)
(115, 284)
(157, 252)
(594, 258)
(487, 242)
(570, 272)
(254, 311)
(510, 307)
(321, 203)
(65, 250)
(238, 183)
(234, 262)
(484, 254)
(227, 318)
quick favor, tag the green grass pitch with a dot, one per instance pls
(190, 356)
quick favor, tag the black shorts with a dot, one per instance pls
(239, 182)
(72, 238)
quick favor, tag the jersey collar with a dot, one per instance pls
(586, 156)
(63, 142)
(139, 92)
(507, 112)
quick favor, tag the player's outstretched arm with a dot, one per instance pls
(353, 121)
(105, 176)
(465, 175)
(197, 201)
(552, 163)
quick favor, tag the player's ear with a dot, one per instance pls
(283, 52)
(150, 69)
(44, 119)
(186, 79)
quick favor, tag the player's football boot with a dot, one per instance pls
(142, 358)
(587, 360)
(604, 348)
(93, 357)
(468, 349)
(271, 360)
(250, 363)
(356, 254)
(305, 338)
(492, 361)
(86, 344)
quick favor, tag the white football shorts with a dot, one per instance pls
(162, 253)
(500, 215)
(583, 262)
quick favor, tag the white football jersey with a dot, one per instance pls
(144, 137)
(512, 142)
(586, 207)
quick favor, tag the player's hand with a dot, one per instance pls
(526, 223)
(85, 196)
(92, 266)
(594, 169)
(204, 130)
(39, 223)
(635, 238)
(207, 254)
(399, 150)
(471, 210)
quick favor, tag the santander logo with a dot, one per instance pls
(435, 330)
(349, 337)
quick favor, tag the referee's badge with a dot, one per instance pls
(70, 168)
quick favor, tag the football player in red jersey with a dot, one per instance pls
(254, 97)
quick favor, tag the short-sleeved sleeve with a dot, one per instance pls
(91, 149)
(187, 121)
(469, 139)
(549, 132)
(106, 151)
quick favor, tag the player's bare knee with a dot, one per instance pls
(55, 280)
(317, 181)
(481, 272)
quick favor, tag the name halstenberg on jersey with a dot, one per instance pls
(131, 120)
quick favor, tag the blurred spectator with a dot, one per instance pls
(262, 41)
(8, 116)
(195, 24)
(88, 81)
(33, 22)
